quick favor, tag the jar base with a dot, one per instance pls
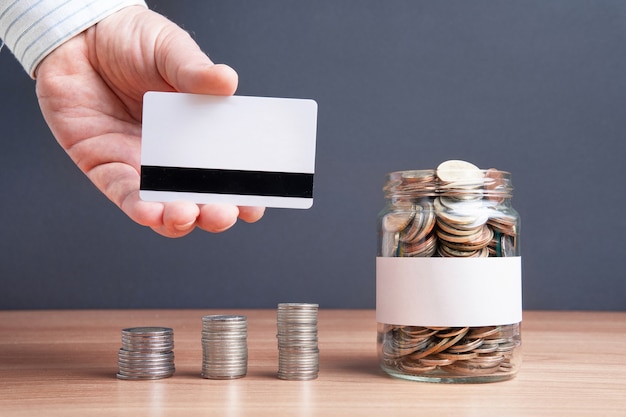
(440, 376)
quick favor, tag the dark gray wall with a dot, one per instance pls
(537, 88)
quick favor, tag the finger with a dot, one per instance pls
(216, 79)
(167, 219)
(177, 218)
(180, 216)
(251, 214)
(186, 68)
(120, 183)
(145, 213)
(217, 217)
(152, 214)
(164, 231)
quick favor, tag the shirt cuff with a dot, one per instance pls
(32, 29)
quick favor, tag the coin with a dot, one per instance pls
(405, 182)
(432, 348)
(470, 243)
(465, 239)
(460, 173)
(482, 332)
(397, 221)
(414, 226)
(423, 248)
(465, 345)
(495, 185)
(460, 217)
(453, 331)
(436, 360)
(421, 225)
(444, 227)
(412, 366)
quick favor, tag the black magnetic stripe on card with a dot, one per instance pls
(225, 181)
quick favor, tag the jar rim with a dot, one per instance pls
(434, 171)
(425, 182)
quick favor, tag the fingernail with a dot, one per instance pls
(184, 227)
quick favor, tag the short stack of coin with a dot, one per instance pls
(224, 346)
(298, 352)
(146, 353)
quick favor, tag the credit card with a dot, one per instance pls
(247, 151)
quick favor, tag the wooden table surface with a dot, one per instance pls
(63, 363)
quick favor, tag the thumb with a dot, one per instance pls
(189, 70)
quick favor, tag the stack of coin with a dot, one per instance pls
(298, 353)
(461, 212)
(407, 182)
(224, 346)
(146, 353)
(419, 238)
(504, 239)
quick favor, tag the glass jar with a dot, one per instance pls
(448, 276)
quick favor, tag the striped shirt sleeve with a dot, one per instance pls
(32, 29)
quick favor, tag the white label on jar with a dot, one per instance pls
(454, 292)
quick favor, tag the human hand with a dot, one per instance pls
(90, 91)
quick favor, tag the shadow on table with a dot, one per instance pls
(61, 361)
(355, 365)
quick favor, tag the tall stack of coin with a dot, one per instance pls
(224, 346)
(298, 352)
(146, 353)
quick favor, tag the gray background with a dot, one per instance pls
(537, 88)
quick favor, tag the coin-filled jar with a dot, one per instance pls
(448, 275)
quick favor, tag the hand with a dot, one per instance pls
(90, 91)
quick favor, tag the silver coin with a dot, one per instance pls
(128, 368)
(237, 375)
(460, 173)
(140, 377)
(147, 331)
(296, 375)
(122, 359)
(132, 353)
(297, 306)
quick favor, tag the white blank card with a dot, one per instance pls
(247, 151)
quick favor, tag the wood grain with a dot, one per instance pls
(63, 363)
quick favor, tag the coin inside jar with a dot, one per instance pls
(397, 221)
(460, 173)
